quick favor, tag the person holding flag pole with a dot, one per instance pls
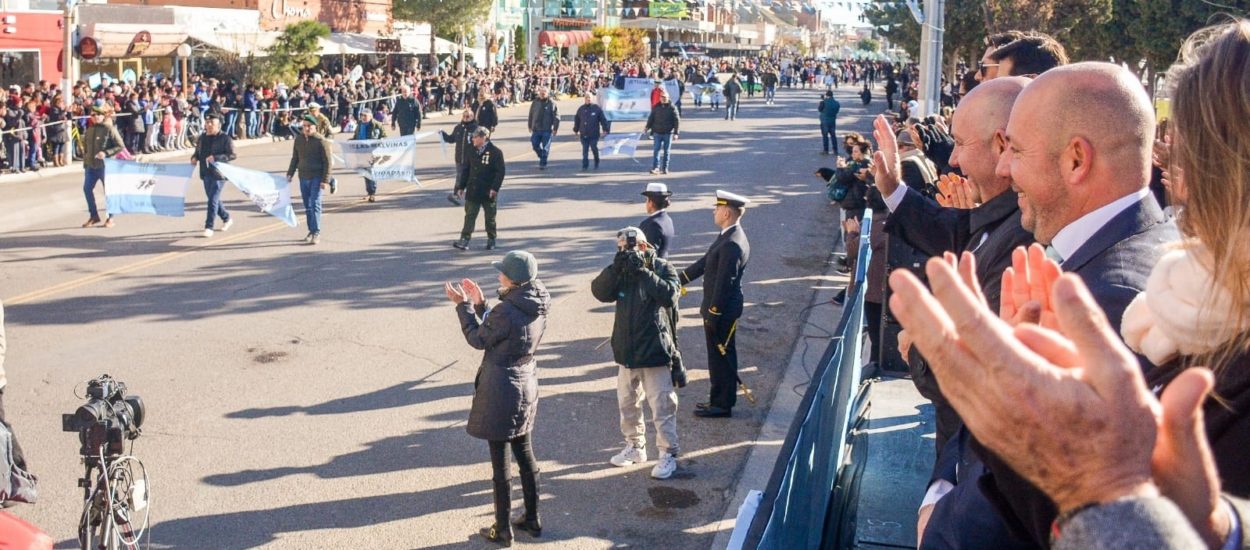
(214, 146)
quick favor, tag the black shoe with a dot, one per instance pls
(532, 526)
(490, 244)
(840, 299)
(502, 538)
(334, 186)
(596, 165)
(702, 405)
(462, 244)
(713, 412)
(585, 167)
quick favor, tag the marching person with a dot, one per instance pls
(367, 128)
(658, 226)
(312, 158)
(324, 126)
(462, 136)
(505, 390)
(733, 93)
(99, 141)
(587, 124)
(481, 188)
(487, 113)
(721, 269)
(214, 146)
(645, 289)
(544, 124)
(664, 125)
(407, 112)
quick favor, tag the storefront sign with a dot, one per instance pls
(281, 10)
(88, 48)
(139, 43)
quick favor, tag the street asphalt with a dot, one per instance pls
(315, 396)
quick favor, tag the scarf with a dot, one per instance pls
(1181, 313)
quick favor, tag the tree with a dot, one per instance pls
(895, 23)
(295, 50)
(870, 45)
(446, 17)
(626, 44)
(518, 41)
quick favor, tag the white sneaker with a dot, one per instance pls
(665, 467)
(208, 233)
(226, 226)
(629, 456)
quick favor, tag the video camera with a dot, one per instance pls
(106, 420)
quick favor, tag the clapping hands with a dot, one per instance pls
(956, 192)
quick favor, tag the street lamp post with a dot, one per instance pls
(184, 52)
(646, 44)
(607, 40)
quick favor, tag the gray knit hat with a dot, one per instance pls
(519, 266)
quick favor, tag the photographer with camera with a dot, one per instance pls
(645, 289)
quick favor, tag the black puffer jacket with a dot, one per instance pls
(642, 334)
(505, 396)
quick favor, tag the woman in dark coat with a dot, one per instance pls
(505, 396)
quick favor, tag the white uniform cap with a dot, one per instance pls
(731, 199)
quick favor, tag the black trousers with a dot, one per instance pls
(722, 368)
(872, 318)
(523, 451)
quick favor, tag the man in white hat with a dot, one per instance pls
(721, 269)
(658, 226)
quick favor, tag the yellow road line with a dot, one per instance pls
(171, 256)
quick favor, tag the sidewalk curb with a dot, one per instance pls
(766, 448)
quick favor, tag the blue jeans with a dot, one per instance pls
(232, 119)
(660, 147)
(541, 141)
(828, 135)
(91, 176)
(731, 108)
(770, 93)
(310, 192)
(371, 187)
(212, 190)
(589, 145)
(17, 155)
(253, 124)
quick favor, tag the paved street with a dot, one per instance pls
(303, 397)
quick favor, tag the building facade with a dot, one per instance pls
(31, 41)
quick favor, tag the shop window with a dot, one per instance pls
(32, 5)
(19, 67)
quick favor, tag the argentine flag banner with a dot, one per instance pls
(389, 159)
(624, 104)
(624, 145)
(146, 188)
(272, 194)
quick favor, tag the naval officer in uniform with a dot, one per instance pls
(721, 269)
(658, 227)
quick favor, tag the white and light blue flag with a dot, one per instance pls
(624, 105)
(624, 145)
(388, 159)
(146, 188)
(269, 192)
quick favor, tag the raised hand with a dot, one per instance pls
(1027, 288)
(886, 170)
(956, 192)
(456, 295)
(472, 292)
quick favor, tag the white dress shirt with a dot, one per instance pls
(1074, 235)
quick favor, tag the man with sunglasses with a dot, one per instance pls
(1013, 53)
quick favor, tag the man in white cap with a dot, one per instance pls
(721, 269)
(367, 129)
(658, 226)
(645, 289)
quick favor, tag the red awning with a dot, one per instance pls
(564, 39)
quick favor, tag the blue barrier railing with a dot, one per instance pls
(811, 496)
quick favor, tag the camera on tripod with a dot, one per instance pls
(106, 420)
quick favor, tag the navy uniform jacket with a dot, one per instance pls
(721, 269)
(486, 172)
(658, 228)
(407, 113)
(1114, 263)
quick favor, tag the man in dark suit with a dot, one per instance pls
(481, 188)
(587, 124)
(721, 269)
(658, 227)
(991, 231)
(1078, 149)
(407, 112)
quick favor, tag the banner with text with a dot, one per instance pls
(390, 159)
(624, 105)
(146, 188)
(272, 194)
(635, 84)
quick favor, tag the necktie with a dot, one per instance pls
(1054, 254)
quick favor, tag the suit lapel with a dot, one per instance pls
(1135, 219)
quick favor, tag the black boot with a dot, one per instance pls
(501, 532)
(529, 521)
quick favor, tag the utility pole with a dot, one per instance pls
(931, 30)
(68, 21)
